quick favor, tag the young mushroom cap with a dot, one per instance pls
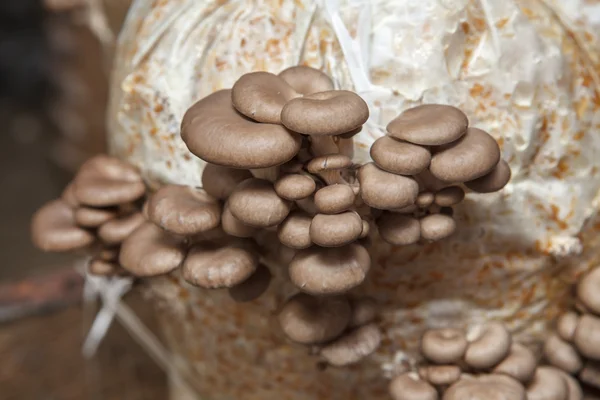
(398, 229)
(310, 320)
(295, 186)
(214, 131)
(100, 267)
(588, 291)
(547, 384)
(212, 266)
(407, 387)
(87, 217)
(519, 364)
(105, 181)
(219, 182)
(184, 210)
(493, 181)
(429, 125)
(327, 271)
(294, 231)
(443, 346)
(437, 227)
(333, 199)
(53, 228)
(335, 230)
(471, 157)
(353, 346)
(325, 113)
(254, 202)
(151, 251)
(398, 157)
(449, 196)
(364, 310)
(253, 287)
(117, 230)
(490, 348)
(261, 96)
(486, 387)
(233, 226)
(566, 325)
(385, 191)
(425, 199)
(306, 80)
(562, 354)
(587, 336)
(440, 375)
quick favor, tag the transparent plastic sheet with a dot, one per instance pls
(526, 71)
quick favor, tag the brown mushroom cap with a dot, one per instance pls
(105, 181)
(467, 159)
(406, 387)
(310, 320)
(335, 230)
(364, 310)
(449, 196)
(385, 191)
(437, 227)
(87, 217)
(100, 267)
(253, 287)
(261, 96)
(490, 348)
(562, 354)
(108, 254)
(295, 186)
(587, 336)
(588, 291)
(183, 210)
(233, 226)
(325, 113)
(440, 375)
(519, 364)
(219, 182)
(566, 325)
(294, 231)
(486, 387)
(493, 181)
(214, 131)
(151, 251)
(332, 270)
(306, 80)
(398, 229)
(53, 228)
(255, 202)
(353, 346)
(213, 266)
(333, 199)
(547, 384)
(117, 230)
(425, 199)
(429, 124)
(443, 346)
(398, 157)
(329, 162)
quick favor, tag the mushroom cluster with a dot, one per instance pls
(483, 364)
(97, 211)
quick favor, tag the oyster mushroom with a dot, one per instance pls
(440, 375)
(100, 267)
(386, 191)
(493, 181)
(335, 230)
(117, 230)
(233, 226)
(566, 325)
(562, 354)
(353, 346)
(364, 310)
(409, 387)
(87, 217)
(443, 346)
(437, 226)
(486, 387)
(588, 291)
(219, 182)
(425, 199)
(397, 157)
(294, 231)
(490, 347)
(329, 166)
(590, 374)
(398, 229)
(253, 287)
(519, 364)
(449, 196)
(254, 202)
(548, 384)
(334, 199)
(587, 336)
(295, 186)
(306, 80)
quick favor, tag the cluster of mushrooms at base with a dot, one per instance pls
(279, 153)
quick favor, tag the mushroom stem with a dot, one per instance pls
(323, 145)
(270, 174)
(345, 146)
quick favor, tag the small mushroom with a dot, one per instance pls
(253, 287)
(353, 346)
(440, 375)
(486, 387)
(366, 229)
(327, 271)
(449, 196)
(587, 336)
(399, 157)
(443, 346)
(261, 96)
(436, 227)
(53, 228)
(108, 254)
(328, 167)
(100, 267)
(219, 182)
(385, 191)
(294, 231)
(310, 320)
(151, 251)
(306, 80)
(335, 230)
(105, 181)
(590, 374)
(547, 384)
(183, 210)
(467, 159)
(562, 354)
(573, 387)
(587, 291)
(254, 202)
(429, 125)
(334, 199)
(308, 205)
(233, 226)
(566, 325)
(295, 186)
(493, 181)
(519, 364)
(490, 348)
(409, 387)
(325, 113)
(425, 199)
(117, 230)
(398, 229)
(214, 131)
(88, 217)
(364, 310)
